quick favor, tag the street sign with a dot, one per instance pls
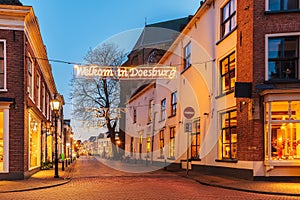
(189, 112)
(188, 127)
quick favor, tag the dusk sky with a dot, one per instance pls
(70, 28)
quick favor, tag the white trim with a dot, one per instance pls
(267, 36)
(5, 74)
(267, 5)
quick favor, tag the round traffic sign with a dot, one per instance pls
(189, 112)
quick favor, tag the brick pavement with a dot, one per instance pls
(44, 179)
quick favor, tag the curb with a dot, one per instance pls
(38, 187)
(240, 189)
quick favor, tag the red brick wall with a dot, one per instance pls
(15, 87)
(253, 23)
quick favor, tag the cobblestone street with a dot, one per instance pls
(95, 180)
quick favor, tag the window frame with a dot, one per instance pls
(163, 107)
(174, 99)
(172, 143)
(196, 139)
(30, 77)
(267, 8)
(161, 143)
(187, 51)
(267, 36)
(230, 128)
(38, 90)
(4, 89)
(223, 21)
(134, 115)
(228, 73)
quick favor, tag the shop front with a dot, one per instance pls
(282, 133)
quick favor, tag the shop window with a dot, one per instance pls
(163, 109)
(187, 56)
(161, 143)
(195, 146)
(229, 135)
(2, 66)
(172, 143)
(227, 68)
(173, 103)
(34, 142)
(282, 130)
(283, 5)
(228, 22)
(283, 58)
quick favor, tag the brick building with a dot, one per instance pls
(26, 88)
(238, 67)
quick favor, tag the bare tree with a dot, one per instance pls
(96, 99)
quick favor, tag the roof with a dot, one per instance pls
(161, 33)
(11, 2)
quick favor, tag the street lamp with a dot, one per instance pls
(55, 107)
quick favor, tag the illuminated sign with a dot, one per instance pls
(141, 72)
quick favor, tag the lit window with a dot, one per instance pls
(163, 109)
(228, 18)
(187, 56)
(173, 103)
(195, 146)
(161, 143)
(282, 128)
(34, 142)
(172, 143)
(281, 5)
(227, 66)
(2, 66)
(229, 135)
(148, 145)
(283, 58)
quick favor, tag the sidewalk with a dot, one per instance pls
(263, 187)
(40, 180)
(45, 179)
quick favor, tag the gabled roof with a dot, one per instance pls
(11, 2)
(161, 33)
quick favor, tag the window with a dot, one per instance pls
(195, 146)
(1, 140)
(161, 143)
(38, 89)
(172, 143)
(228, 18)
(227, 66)
(30, 88)
(140, 144)
(282, 5)
(229, 135)
(163, 109)
(134, 115)
(44, 99)
(131, 145)
(2, 66)
(282, 130)
(148, 145)
(150, 116)
(283, 58)
(4, 137)
(187, 56)
(173, 103)
(34, 142)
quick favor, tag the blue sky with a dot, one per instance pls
(71, 27)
